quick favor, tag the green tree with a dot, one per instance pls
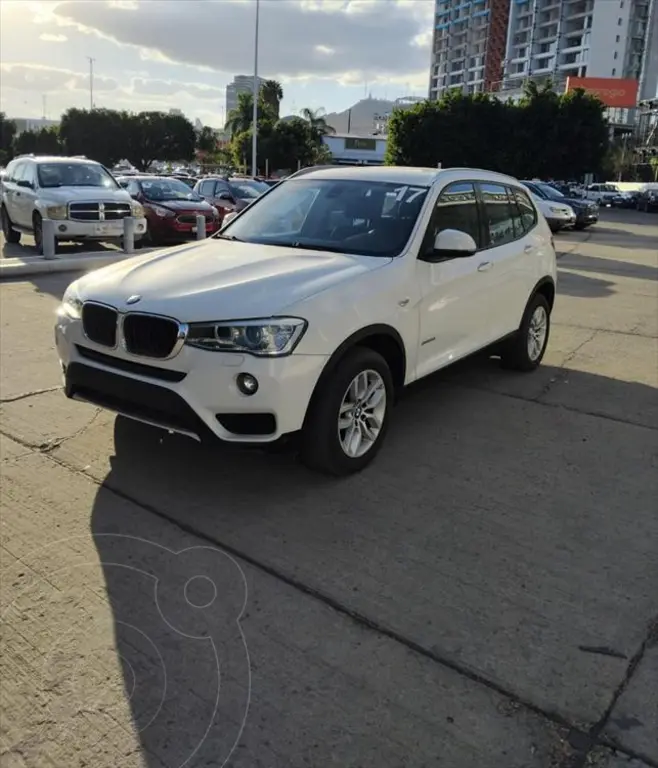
(653, 162)
(271, 94)
(206, 141)
(241, 118)
(7, 133)
(284, 145)
(322, 155)
(318, 123)
(100, 134)
(25, 143)
(153, 136)
(553, 136)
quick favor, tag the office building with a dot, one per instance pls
(240, 84)
(496, 45)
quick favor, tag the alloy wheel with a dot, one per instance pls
(361, 413)
(537, 330)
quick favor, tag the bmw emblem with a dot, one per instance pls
(133, 299)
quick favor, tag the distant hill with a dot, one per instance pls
(362, 119)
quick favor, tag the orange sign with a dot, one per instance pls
(612, 91)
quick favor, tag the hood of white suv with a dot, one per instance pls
(222, 280)
(63, 195)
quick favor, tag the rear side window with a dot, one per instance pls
(499, 214)
(457, 208)
(525, 209)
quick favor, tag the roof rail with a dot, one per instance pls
(27, 154)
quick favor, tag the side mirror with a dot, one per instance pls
(224, 195)
(25, 183)
(229, 217)
(451, 244)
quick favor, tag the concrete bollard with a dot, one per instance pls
(48, 238)
(129, 234)
(200, 227)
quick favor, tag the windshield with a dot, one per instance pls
(550, 192)
(167, 189)
(346, 216)
(74, 175)
(246, 189)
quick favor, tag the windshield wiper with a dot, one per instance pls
(230, 237)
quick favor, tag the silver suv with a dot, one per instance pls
(80, 195)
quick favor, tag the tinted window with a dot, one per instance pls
(525, 208)
(248, 190)
(341, 215)
(167, 189)
(457, 208)
(206, 188)
(498, 214)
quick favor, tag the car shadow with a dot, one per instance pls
(437, 462)
(581, 286)
(577, 261)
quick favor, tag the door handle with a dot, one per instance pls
(485, 266)
(529, 249)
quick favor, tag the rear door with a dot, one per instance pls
(12, 196)
(510, 243)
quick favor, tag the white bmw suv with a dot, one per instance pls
(313, 307)
(80, 195)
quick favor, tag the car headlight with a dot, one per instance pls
(56, 212)
(137, 210)
(270, 337)
(71, 305)
(161, 212)
(558, 210)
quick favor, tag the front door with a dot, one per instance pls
(454, 292)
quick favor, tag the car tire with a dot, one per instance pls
(525, 350)
(335, 450)
(580, 226)
(10, 235)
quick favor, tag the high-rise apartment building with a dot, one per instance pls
(493, 45)
(240, 84)
(583, 38)
(469, 45)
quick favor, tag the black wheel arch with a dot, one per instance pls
(381, 338)
(545, 286)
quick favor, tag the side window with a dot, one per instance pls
(525, 208)
(457, 208)
(498, 214)
(17, 173)
(29, 174)
(11, 171)
(133, 188)
(206, 188)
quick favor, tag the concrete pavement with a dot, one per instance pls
(484, 595)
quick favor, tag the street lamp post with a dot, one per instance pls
(254, 125)
(91, 82)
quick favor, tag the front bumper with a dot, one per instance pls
(195, 392)
(171, 229)
(66, 229)
(587, 216)
(561, 222)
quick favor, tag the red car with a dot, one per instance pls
(170, 207)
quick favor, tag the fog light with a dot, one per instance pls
(247, 384)
(62, 227)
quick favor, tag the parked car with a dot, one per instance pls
(190, 181)
(80, 195)
(586, 211)
(231, 193)
(558, 215)
(285, 324)
(647, 198)
(626, 199)
(603, 194)
(171, 208)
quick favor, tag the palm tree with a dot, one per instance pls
(271, 93)
(318, 123)
(241, 118)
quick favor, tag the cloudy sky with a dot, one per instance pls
(158, 54)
